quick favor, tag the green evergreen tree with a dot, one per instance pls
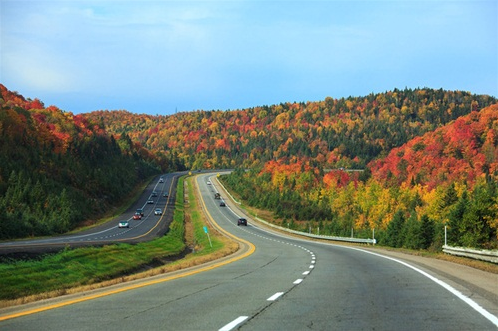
(427, 230)
(474, 227)
(394, 232)
(456, 215)
(411, 233)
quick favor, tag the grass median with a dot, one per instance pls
(76, 270)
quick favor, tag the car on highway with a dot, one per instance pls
(123, 224)
(150, 202)
(165, 194)
(161, 180)
(137, 216)
(222, 204)
(158, 211)
(154, 194)
(140, 211)
(242, 221)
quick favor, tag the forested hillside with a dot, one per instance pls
(405, 163)
(346, 132)
(58, 169)
(447, 177)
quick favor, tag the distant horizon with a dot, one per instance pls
(255, 106)
(163, 57)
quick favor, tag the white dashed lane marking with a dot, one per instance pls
(234, 323)
(275, 296)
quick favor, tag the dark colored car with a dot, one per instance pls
(222, 204)
(242, 221)
(140, 211)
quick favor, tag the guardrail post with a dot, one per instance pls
(445, 237)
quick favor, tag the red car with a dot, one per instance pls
(137, 216)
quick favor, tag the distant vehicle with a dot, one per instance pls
(123, 224)
(150, 202)
(209, 183)
(154, 194)
(158, 211)
(161, 180)
(242, 221)
(222, 204)
(165, 194)
(217, 196)
(137, 216)
(140, 211)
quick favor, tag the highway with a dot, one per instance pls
(276, 283)
(148, 227)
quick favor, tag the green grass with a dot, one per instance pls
(201, 238)
(83, 266)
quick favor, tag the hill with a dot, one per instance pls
(461, 152)
(447, 177)
(58, 170)
(428, 159)
(347, 132)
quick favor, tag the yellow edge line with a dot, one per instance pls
(251, 250)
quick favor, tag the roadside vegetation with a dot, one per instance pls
(75, 270)
(271, 217)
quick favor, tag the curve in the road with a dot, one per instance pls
(245, 250)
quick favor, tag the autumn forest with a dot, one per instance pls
(404, 163)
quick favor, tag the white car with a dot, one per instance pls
(158, 211)
(123, 224)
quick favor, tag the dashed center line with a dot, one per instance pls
(234, 323)
(275, 296)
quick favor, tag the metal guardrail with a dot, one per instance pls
(477, 254)
(482, 254)
(346, 239)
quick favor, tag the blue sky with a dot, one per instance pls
(158, 57)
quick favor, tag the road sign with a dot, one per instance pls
(206, 230)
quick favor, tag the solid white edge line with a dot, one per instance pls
(234, 323)
(492, 318)
(275, 296)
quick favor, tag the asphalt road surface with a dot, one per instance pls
(277, 283)
(148, 227)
